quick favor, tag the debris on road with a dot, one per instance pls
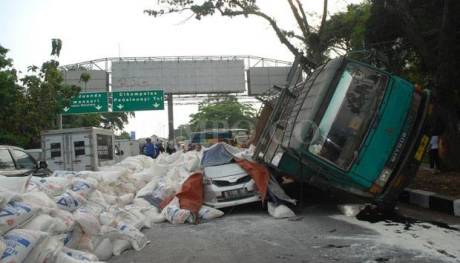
(92, 215)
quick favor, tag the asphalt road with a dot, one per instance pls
(320, 233)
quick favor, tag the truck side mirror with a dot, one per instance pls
(42, 165)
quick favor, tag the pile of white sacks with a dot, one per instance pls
(89, 216)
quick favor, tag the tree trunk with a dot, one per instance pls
(446, 81)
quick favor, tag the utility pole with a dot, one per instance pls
(169, 98)
(60, 121)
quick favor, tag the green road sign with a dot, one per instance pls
(88, 102)
(138, 100)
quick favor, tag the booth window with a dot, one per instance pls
(55, 150)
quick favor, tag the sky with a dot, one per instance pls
(92, 29)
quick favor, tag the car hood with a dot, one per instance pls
(15, 172)
(225, 170)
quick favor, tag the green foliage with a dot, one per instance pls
(56, 45)
(346, 30)
(123, 135)
(182, 132)
(32, 104)
(85, 77)
(222, 112)
(29, 108)
(420, 41)
(341, 32)
(108, 120)
(10, 93)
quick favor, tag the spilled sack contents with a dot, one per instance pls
(90, 216)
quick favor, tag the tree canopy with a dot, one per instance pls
(32, 103)
(421, 41)
(222, 112)
(310, 40)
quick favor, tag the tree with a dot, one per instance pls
(10, 96)
(32, 105)
(222, 112)
(123, 135)
(85, 77)
(310, 41)
(108, 120)
(420, 40)
(182, 132)
(56, 45)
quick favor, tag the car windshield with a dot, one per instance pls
(23, 160)
(349, 114)
(6, 162)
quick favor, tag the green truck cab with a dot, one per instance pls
(349, 126)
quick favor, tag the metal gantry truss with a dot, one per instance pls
(183, 99)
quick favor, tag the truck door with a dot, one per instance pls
(54, 152)
(80, 152)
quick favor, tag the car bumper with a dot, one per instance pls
(215, 196)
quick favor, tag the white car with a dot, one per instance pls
(228, 185)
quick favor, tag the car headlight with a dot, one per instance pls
(207, 181)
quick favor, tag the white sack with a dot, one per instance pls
(2, 246)
(42, 222)
(79, 255)
(147, 190)
(39, 200)
(104, 250)
(123, 215)
(52, 186)
(192, 161)
(154, 215)
(125, 199)
(126, 232)
(45, 252)
(280, 211)
(16, 184)
(64, 220)
(88, 221)
(69, 201)
(15, 214)
(106, 218)
(208, 213)
(82, 187)
(141, 202)
(174, 214)
(138, 212)
(6, 196)
(64, 258)
(19, 243)
(72, 238)
(89, 242)
(119, 246)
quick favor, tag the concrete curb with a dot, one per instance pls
(432, 201)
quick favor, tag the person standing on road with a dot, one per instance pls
(435, 162)
(149, 148)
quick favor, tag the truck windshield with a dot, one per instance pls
(346, 120)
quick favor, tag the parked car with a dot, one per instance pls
(228, 185)
(14, 161)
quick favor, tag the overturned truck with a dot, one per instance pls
(347, 125)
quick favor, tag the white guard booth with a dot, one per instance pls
(78, 149)
(125, 148)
